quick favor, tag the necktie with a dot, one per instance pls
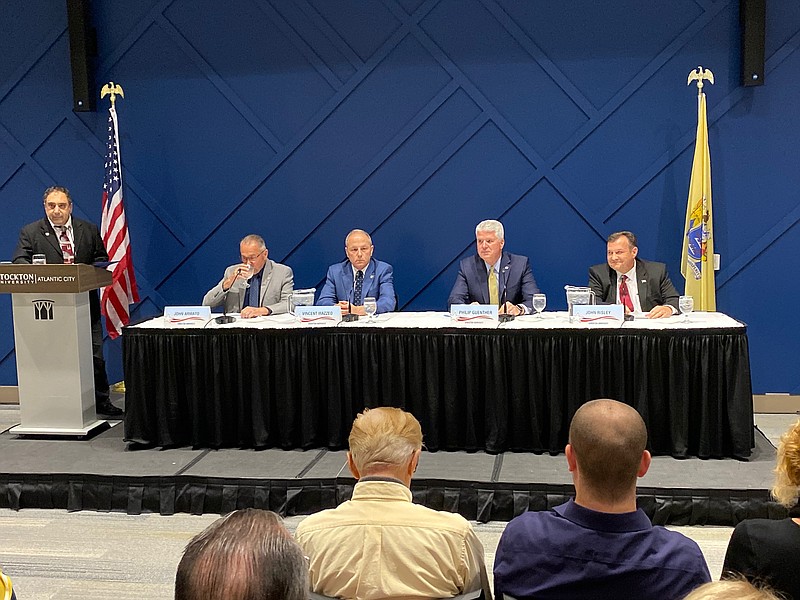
(66, 247)
(494, 294)
(358, 288)
(253, 293)
(624, 295)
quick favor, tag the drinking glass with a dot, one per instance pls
(539, 302)
(39, 259)
(370, 307)
(686, 304)
(242, 282)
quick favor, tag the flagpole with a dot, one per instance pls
(697, 254)
(115, 299)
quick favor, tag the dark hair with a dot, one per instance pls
(608, 439)
(56, 188)
(627, 234)
(247, 555)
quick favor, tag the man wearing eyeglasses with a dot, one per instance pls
(65, 239)
(255, 287)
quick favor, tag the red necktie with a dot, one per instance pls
(624, 295)
(66, 247)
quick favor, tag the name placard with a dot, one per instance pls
(318, 315)
(186, 316)
(599, 315)
(473, 314)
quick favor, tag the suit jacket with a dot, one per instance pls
(277, 284)
(378, 283)
(655, 287)
(515, 284)
(39, 237)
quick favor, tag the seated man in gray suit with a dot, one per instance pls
(639, 285)
(270, 284)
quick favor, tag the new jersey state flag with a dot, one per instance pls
(697, 257)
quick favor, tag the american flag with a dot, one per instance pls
(116, 298)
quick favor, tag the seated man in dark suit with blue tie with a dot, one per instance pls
(64, 239)
(262, 286)
(639, 285)
(495, 277)
(357, 277)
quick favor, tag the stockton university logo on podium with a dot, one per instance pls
(43, 310)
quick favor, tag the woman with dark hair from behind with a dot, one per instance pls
(767, 550)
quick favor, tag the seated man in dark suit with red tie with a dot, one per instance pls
(64, 239)
(639, 285)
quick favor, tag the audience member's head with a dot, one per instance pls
(787, 470)
(247, 555)
(385, 441)
(734, 589)
(606, 451)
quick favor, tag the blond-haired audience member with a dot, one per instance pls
(734, 589)
(767, 550)
(379, 544)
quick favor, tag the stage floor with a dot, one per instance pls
(102, 473)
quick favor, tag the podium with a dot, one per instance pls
(53, 342)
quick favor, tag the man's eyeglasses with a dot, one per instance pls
(251, 258)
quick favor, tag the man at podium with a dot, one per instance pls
(64, 239)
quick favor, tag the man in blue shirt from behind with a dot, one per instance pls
(598, 545)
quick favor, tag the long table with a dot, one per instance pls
(514, 386)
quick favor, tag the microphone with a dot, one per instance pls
(226, 318)
(349, 317)
(505, 318)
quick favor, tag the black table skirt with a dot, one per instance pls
(492, 390)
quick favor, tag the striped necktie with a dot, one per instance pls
(66, 246)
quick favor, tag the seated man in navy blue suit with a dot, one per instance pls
(493, 276)
(359, 276)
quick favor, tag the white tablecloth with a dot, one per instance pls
(439, 320)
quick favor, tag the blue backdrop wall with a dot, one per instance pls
(415, 119)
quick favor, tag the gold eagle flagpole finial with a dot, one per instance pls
(699, 75)
(113, 89)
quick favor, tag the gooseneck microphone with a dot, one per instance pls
(505, 318)
(349, 317)
(226, 318)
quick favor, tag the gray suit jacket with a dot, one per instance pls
(277, 283)
(655, 287)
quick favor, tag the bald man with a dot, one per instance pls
(357, 277)
(598, 545)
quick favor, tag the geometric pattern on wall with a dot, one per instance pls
(413, 119)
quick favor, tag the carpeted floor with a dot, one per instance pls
(54, 554)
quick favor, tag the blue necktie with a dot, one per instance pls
(358, 289)
(251, 297)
